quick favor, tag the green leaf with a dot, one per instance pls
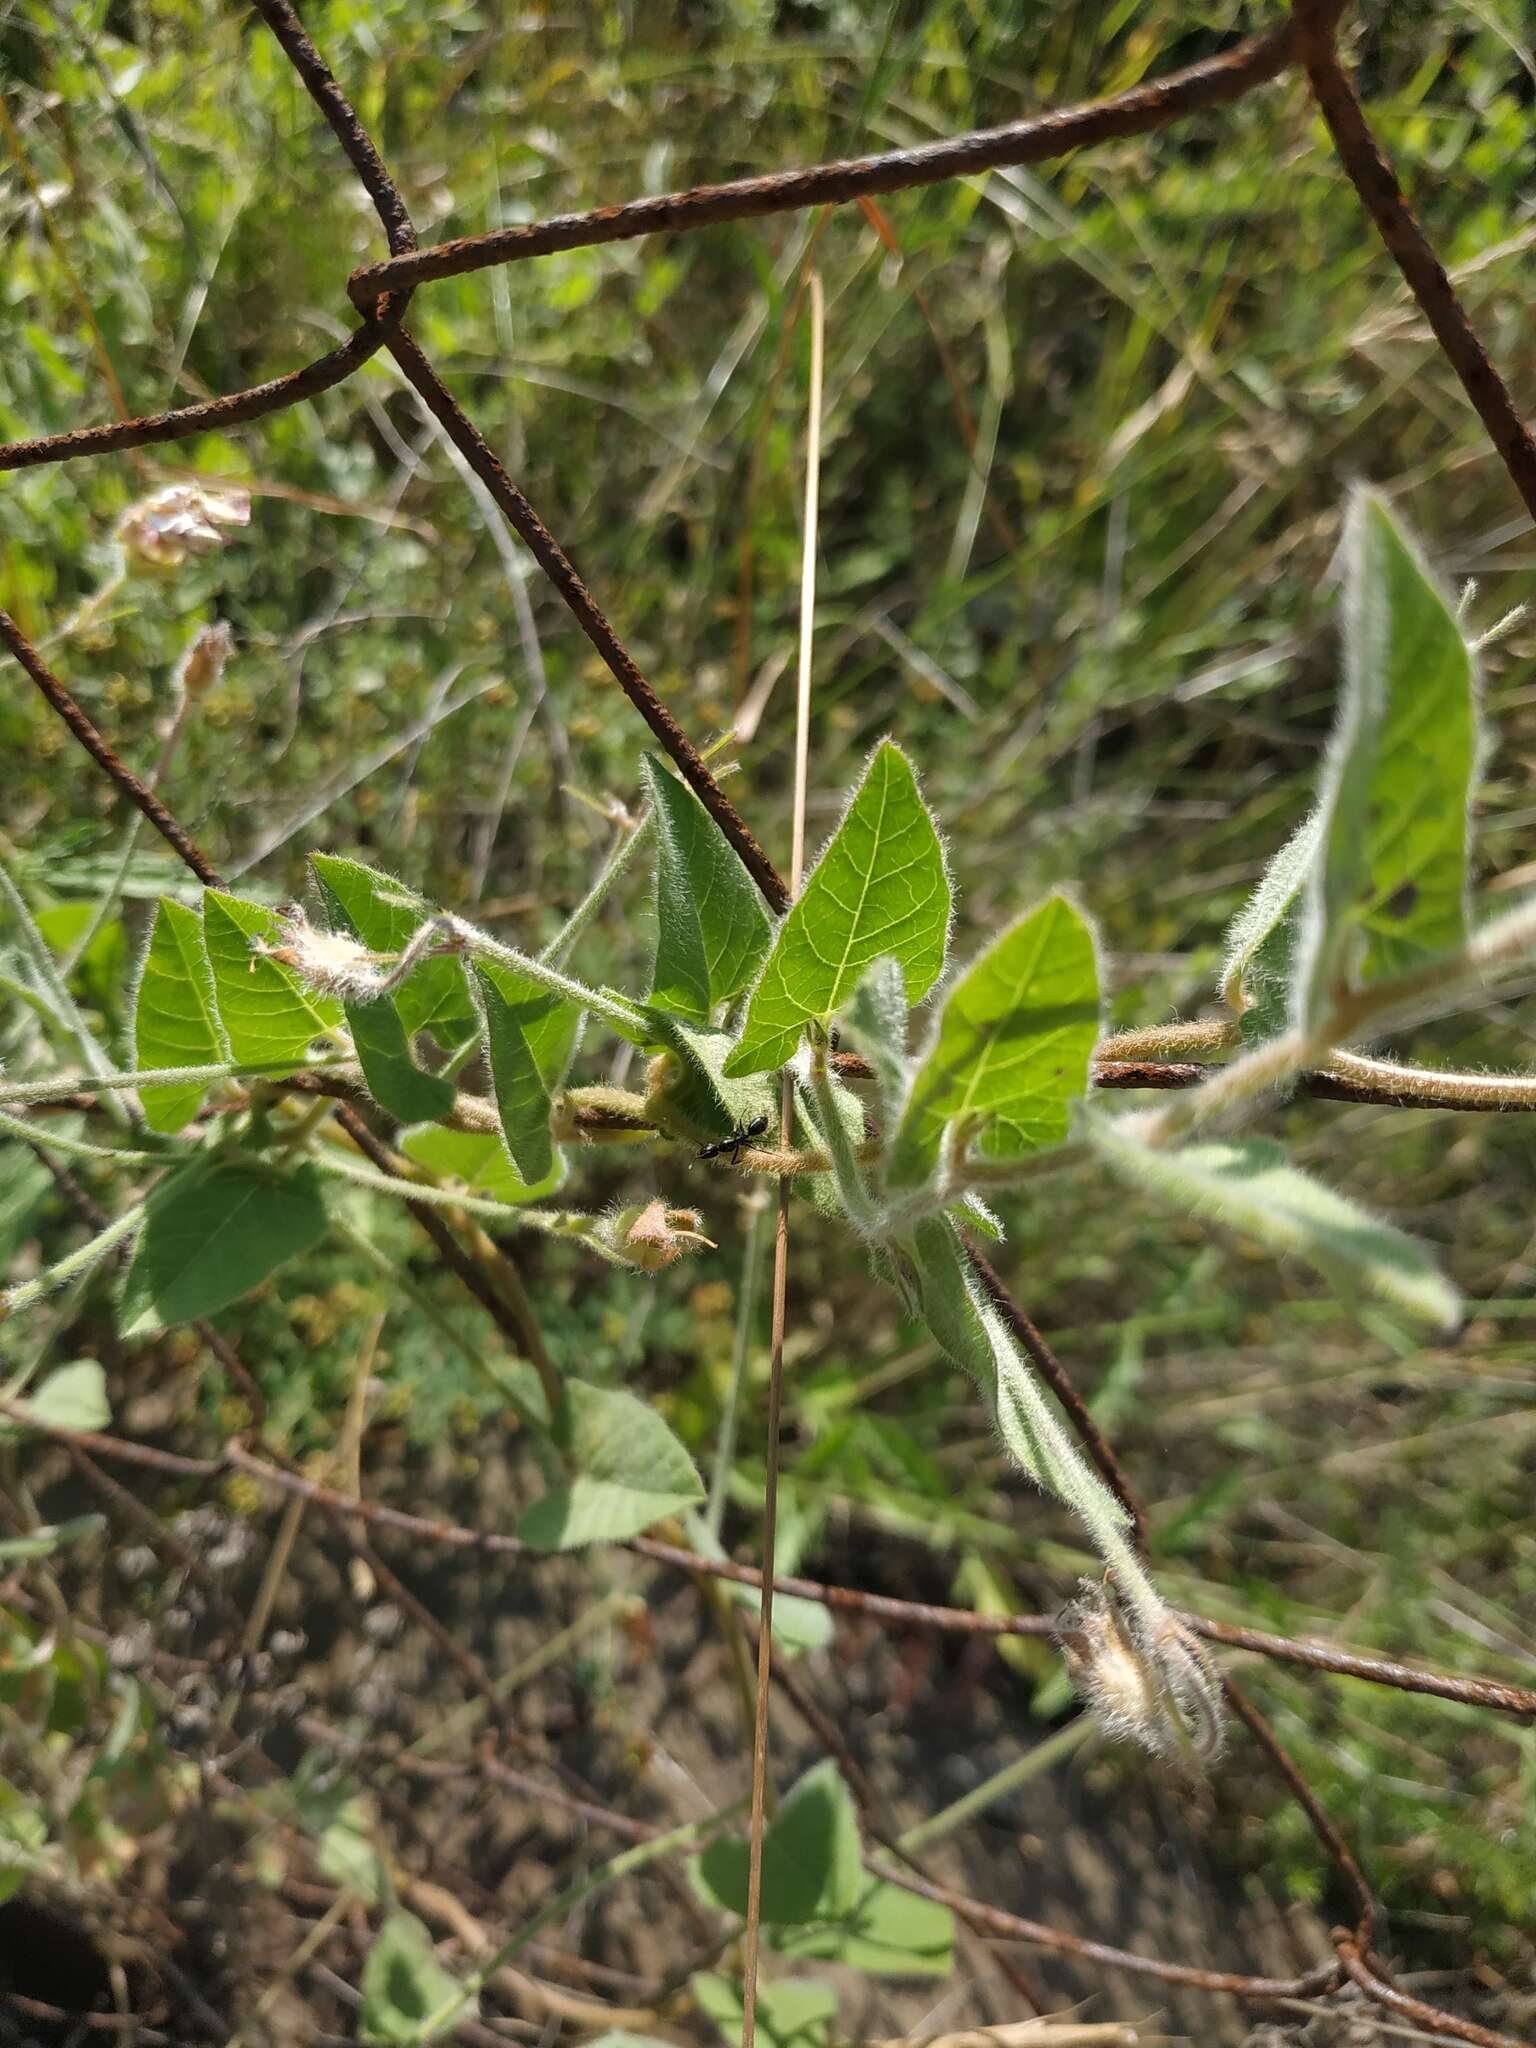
(479, 1160)
(794, 2012)
(1252, 1187)
(1261, 939)
(53, 1536)
(1388, 889)
(383, 1044)
(530, 1034)
(962, 1316)
(175, 1021)
(346, 1854)
(73, 1396)
(880, 888)
(874, 1022)
(269, 1017)
(1010, 1049)
(400, 1088)
(811, 1856)
(890, 1932)
(629, 1472)
(711, 927)
(385, 915)
(210, 1235)
(404, 1985)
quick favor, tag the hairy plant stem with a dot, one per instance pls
(80, 1261)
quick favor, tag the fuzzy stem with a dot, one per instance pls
(151, 1077)
(81, 1261)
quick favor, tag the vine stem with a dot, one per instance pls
(781, 1233)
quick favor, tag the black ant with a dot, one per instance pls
(742, 1135)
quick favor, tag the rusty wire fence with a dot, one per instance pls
(381, 293)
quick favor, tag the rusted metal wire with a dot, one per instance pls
(138, 793)
(381, 291)
(210, 415)
(1144, 108)
(1383, 198)
(589, 615)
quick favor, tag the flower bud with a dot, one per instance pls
(204, 661)
(163, 530)
(331, 963)
(656, 1236)
(1142, 1675)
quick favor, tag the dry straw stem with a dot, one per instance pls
(781, 1223)
(1251, 64)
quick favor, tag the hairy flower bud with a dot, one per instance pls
(331, 963)
(656, 1236)
(1142, 1675)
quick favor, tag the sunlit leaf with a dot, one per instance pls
(405, 1987)
(1389, 885)
(72, 1396)
(386, 915)
(628, 1471)
(269, 1017)
(396, 1083)
(880, 889)
(1252, 1187)
(479, 1160)
(175, 1018)
(888, 1931)
(792, 2012)
(1010, 1049)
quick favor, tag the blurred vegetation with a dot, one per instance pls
(1103, 633)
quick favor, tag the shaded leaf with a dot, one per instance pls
(880, 889)
(530, 1036)
(712, 929)
(1010, 1049)
(175, 1018)
(210, 1235)
(698, 1093)
(1261, 939)
(628, 1472)
(874, 1022)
